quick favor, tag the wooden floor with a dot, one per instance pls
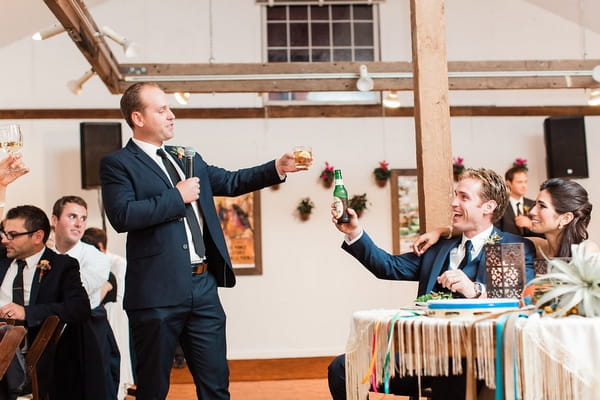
(299, 389)
(281, 379)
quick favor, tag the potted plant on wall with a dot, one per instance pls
(326, 176)
(382, 173)
(358, 203)
(457, 167)
(304, 208)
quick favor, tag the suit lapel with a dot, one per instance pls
(440, 261)
(4, 264)
(147, 161)
(36, 282)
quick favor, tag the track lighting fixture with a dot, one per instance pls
(48, 32)
(76, 86)
(364, 83)
(182, 97)
(130, 48)
(391, 100)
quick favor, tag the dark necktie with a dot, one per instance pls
(18, 292)
(519, 210)
(467, 258)
(190, 215)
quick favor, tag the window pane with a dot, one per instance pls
(363, 55)
(277, 35)
(363, 34)
(299, 55)
(340, 12)
(299, 34)
(277, 56)
(363, 12)
(275, 13)
(298, 12)
(342, 55)
(319, 13)
(341, 34)
(320, 34)
(320, 55)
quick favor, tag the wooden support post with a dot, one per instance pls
(432, 113)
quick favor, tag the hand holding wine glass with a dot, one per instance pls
(11, 168)
(11, 141)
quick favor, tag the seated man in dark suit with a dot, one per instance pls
(516, 217)
(37, 283)
(454, 264)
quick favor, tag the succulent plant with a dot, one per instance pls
(572, 286)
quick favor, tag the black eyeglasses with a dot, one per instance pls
(12, 235)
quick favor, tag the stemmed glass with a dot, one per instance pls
(11, 141)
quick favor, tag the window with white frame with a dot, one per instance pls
(322, 33)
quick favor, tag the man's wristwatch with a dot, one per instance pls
(479, 288)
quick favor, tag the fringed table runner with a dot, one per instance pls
(427, 347)
(560, 358)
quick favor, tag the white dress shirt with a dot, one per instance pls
(94, 269)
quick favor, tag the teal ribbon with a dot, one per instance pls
(500, 357)
(386, 363)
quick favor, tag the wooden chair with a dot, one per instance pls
(49, 334)
(10, 338)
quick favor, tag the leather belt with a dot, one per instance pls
(200, 268)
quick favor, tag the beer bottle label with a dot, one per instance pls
(340, 206)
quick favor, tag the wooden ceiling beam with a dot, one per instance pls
(342, 76)
(77, 21)
(322, 111)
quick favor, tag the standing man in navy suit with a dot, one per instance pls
(454, 264)
(173, 270)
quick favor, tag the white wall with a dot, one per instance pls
(301, 305)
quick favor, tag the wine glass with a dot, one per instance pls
(11, 141)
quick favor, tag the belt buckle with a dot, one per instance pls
(199, 268)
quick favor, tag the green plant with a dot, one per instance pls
(305, 206)
(382, 172)
(327, 174)
(457, 166)
(571, 288)
(358, 203)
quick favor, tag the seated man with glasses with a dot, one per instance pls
(35, 283)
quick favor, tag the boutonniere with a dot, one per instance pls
(44, 266)
(179, 152)
(493, 239)
(526, 210)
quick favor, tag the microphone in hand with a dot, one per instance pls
(189, 154)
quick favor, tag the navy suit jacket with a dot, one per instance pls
(58, 292)
(139, 199)
(430, 265)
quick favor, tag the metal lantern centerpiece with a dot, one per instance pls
(505, 270)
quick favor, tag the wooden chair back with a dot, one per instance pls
(10, 338)
(49, 333)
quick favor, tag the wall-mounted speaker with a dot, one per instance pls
(97, 139)
(566, 151)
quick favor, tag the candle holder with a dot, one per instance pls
(505, 270)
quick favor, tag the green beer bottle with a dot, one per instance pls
(340, 199)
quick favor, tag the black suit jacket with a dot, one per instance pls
(507, 222)
(59, 292)
(139, 199)
(430, 265)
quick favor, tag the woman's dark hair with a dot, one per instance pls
(569, 196)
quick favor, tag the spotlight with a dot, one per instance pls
(182, 97)
(76, 86)
(596, 73)
(594, 99)
(364, 83)
(130, 48)
(391, 100)
(48, 32)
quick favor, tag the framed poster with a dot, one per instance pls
(405, 210)
(240, 221)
